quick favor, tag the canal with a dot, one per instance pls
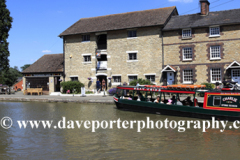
(82, 143)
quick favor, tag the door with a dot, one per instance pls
(101, 78)
(57, 84)
(170, 78)
(236, 75)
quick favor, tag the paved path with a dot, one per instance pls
(46, 98)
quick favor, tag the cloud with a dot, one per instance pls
(184, 1)
(46, 51)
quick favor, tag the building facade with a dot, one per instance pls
(202, 47)
(117, 48)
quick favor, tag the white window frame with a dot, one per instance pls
(215, 58)
(84, 38)
(185, 37)
(129, 52)
(187, 82)
(74, 77)
(210, 31)
(211, 75)
(130, 75)
(183, 57)
(154, 82)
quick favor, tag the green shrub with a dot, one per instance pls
(209, 85)
(73, 86)
(140, 81)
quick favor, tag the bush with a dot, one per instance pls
(73, 86)
(140, 81)
(209, 85)
(112, 91)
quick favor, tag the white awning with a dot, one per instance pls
(101, 74)
(234, 64)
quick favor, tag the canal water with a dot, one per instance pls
(16, 143)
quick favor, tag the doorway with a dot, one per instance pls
(101, 78)
(56, 84)
(170, 78)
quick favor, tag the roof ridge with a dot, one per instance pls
(128, 12)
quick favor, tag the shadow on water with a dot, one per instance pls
(106, 143)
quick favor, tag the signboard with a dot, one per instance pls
(83, 91)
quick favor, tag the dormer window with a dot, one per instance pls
(214, 31)
(186, 33)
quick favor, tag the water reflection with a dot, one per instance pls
(106, 143)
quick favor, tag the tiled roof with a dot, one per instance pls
(197, 20)
(120, 21)
(46, 64)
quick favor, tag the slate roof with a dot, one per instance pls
(47, 63)
(197, 20)
(144, 18)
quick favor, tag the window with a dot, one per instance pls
(187, 76)
(151, 78)
(132, 33)
(186, 33)
(132, 56)
(216, 101)
(74, 78)
(131, 78)
(216, 75)
(87, 58)
(187, 53)
(215, 52)
(86, 38)
(116, 79)
(214, 31)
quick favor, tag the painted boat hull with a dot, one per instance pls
(175, 110)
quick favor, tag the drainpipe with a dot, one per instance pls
(63, 59)
(162, 53)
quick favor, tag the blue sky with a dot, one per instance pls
(37, 23)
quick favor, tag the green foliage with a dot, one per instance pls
(10, 76)
(209, 85)
(5, 25)
(140, 81)
(25, 67)
(73, 86)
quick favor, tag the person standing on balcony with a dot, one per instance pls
(103, 85)
(98, 85)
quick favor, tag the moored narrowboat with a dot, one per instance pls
(220, 103)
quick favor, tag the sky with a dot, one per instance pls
(37, 23)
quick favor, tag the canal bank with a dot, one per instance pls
(19, 97)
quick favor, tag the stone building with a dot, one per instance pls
(45, 73)
(117, 48)
(202, 47)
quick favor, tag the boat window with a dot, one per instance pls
(216, 101)
(119, 93)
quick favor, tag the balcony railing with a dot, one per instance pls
(102, 65)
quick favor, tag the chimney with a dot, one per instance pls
(204, 7)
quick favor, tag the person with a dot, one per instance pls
(140, 97)
(130, 97)
(179, 102)
(137, 84)
(103, 84)
(173, 99)
(157, 99)
(98, 84)
(188, 101)
(217, 86)
(169, 102)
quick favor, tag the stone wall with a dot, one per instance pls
(229, 40)
(148, 45)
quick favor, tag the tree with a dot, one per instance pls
(25, 67)
(10, 76)
(5, 25)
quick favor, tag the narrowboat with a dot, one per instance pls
(223, 103)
